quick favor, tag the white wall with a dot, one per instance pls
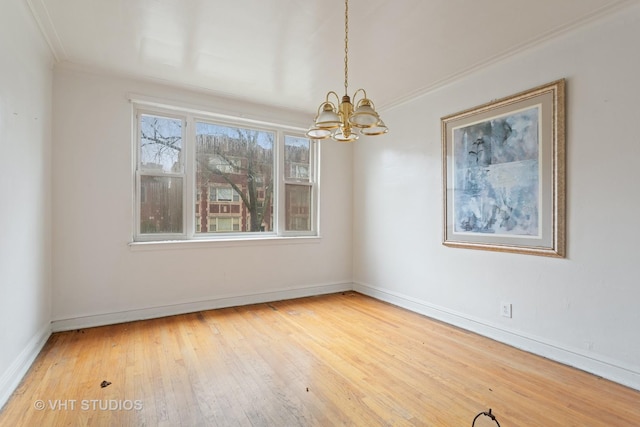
(98, 278)
(583, 310)
(25, 193)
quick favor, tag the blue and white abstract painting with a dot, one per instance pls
(497, 175)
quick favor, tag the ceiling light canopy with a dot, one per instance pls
(340, 120)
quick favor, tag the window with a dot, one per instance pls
(298, 206)
(299, 171)
(199, 178)
(224, 165)
(298, 185)
(161, 175)
(220, 224)
(221, 194)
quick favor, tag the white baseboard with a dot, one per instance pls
(595, 364)
(67, 324)
(11, 378)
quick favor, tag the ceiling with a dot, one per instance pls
(289, 53)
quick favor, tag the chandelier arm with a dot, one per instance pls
(334, 94)
(357, 92)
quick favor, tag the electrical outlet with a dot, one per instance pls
(505, 309)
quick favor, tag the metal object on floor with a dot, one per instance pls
(487, 414)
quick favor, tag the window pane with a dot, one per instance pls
(296, 158)
(161, 206)
(160, 143)
(236, 165)
(297, 207)
(224, 224)
(225, 194)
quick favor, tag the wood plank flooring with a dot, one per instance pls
(341, 359)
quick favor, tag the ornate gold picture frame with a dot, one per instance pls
(503, 174)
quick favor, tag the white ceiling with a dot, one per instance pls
(289, 53)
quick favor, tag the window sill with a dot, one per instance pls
(222, 242)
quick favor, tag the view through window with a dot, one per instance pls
(221, 178)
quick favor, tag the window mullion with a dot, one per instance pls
(279, 181)
(190, 176)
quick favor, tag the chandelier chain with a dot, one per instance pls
(346, 45)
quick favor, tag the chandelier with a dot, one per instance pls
(338, 120)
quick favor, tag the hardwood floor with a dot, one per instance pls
(342, 359)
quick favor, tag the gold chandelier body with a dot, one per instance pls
(338, 120)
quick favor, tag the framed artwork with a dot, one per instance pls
(504, 174)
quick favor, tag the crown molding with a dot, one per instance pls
(579, 23)
(43, 19)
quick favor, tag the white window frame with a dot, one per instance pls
(189, 117)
